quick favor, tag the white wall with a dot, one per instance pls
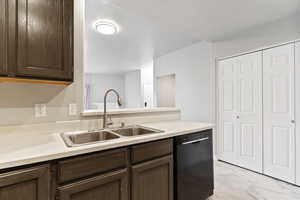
(147, 75)
(133, 91)
(194, 80)
(100, 83)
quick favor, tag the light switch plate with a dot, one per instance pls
(40, 110)
(72, 109)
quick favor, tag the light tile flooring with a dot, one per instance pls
(233, 183)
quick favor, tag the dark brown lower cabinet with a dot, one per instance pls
(111, 186)
(153, 180)
(107, 175)
(28, 184)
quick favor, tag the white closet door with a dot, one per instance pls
(227, 108)
(249, 106)
(297, 56)
(279, 112)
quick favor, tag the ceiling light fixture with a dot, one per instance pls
(107, 27)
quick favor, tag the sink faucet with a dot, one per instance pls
(105, 99)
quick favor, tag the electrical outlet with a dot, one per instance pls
(72, 109)
(40, 110)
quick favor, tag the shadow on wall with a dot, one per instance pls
(21, 95)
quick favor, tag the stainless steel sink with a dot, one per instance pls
(135, 131)
(84, 138)
(75, 139)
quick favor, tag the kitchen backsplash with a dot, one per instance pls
(87, 123)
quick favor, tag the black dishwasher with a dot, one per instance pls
(194, 170)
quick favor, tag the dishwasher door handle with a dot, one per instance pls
(196, 141)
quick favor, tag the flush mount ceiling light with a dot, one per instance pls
(107, 27)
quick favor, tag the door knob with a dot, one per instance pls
(238, 117)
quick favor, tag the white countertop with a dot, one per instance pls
(22, 149)
(88, 113)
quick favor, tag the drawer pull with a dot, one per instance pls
(196, 141)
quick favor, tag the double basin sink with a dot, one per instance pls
(91, 137)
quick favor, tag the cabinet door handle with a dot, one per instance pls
(293, 121)
(238, 117)
(196, 141)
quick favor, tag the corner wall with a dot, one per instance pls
(99, 84)
(133, 90)
(194, 80)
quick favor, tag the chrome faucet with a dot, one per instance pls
(105, 99)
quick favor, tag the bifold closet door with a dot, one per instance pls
(249, 106)
(227, 111)
(297, 56)
(279, 112)
(240, 105)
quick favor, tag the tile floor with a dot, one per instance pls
(233, 183)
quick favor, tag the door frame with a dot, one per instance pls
(297, 111)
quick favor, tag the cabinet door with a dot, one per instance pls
(28, 184)
(3, 38)
(153, 180)
(45, 39)
(297, 56)
(112, 186)
(228, 110)
(249, 111)
(279, 112)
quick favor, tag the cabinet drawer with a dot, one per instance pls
(84, 166)
(109, 186)
(143, 152)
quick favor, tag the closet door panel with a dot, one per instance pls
(227, 107)
(279, 113)
(297, 56)
(249, 107)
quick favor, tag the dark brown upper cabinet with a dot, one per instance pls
(45, 39)
(3, 33)
(36, 40)
(27, 184)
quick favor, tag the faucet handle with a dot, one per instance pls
(122, 124)
(117, 125)
(109, 121)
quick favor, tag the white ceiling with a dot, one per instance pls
(151, 28)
